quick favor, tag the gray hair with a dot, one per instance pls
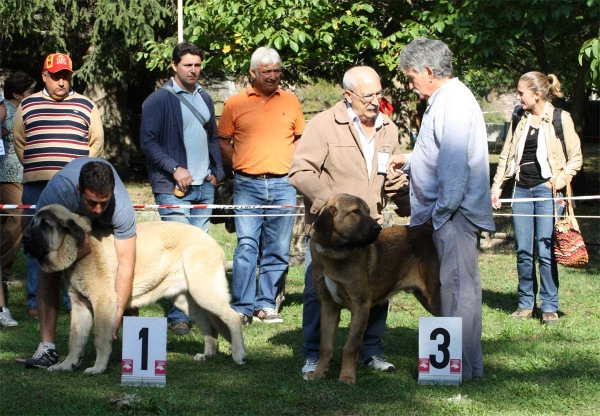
(264, 56)
(353, 74)
(423, 52)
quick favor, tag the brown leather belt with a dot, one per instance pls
(262, 176)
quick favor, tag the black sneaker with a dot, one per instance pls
(43, 358)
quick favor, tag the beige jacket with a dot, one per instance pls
(560, 166)
(329, 160)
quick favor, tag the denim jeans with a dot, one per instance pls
(31, 195)
(535, 234)
(259, 230)
(311, 320)
(196, 194)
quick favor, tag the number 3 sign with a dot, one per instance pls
(440, 350)
(144, 360)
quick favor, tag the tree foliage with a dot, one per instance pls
(102, 36)
(316, 38)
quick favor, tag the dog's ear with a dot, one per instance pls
(323, 225)
(74, 229)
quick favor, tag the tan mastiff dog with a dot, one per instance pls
(356, 265)
(174, 260)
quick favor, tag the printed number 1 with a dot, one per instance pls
(144, 338)
(443, 347)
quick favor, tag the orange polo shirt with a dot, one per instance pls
(262, 130)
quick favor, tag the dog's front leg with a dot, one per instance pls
(330, 320)
(105, 313)
(358, 325)
(81, 325)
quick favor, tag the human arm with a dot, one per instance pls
(96, 134)
(19, 134)
(158, 112)
(226, 149)
(306, 167)
(2, 109)
(126, 252)
(454, 129)
(214, 145)
(574, 158)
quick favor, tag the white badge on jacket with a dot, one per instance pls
(382, 159)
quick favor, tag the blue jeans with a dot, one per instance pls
(533, 234)
(256, 230)
(31, 195)
(311, 320)
(196, 194)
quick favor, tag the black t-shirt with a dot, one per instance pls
(530, 172)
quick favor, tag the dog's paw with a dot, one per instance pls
(200, 357)
(351, 381)
(94, 370)
(59, 367)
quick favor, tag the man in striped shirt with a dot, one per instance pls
(51, 128)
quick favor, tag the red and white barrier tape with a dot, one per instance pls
(199, 206)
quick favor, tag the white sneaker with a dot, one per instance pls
(379, 363)
(6, 318)
(310, 365)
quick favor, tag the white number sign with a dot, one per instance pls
(144, 359)
(440, 350)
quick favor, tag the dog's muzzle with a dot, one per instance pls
(31, 247)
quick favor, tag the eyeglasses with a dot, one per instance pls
(368, 99)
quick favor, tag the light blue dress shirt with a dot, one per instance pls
(449, 167)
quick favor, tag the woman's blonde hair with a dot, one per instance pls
(547, 85)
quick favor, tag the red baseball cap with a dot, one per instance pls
(57, 62)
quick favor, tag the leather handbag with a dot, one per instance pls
(569, 247)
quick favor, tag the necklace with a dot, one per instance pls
(533, 130)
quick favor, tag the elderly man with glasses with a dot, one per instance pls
(345, 150)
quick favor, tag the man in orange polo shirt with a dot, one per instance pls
(259, 129)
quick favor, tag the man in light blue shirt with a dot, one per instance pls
(179, 137)
(449, 185)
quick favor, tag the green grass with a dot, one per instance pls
(529, 369)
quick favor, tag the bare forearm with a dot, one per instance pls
(126, 252)
(226, 150)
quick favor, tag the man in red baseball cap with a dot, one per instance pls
(51, 128)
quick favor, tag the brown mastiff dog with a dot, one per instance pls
(173, 260)
(356, 265)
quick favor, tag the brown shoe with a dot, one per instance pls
(245, 319)
(549, 318)
(522, 313)
(32, 312)
(180, 328)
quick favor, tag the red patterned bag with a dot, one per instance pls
(569, 247)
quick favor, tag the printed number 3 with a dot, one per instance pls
(443, 347)
(144, 338)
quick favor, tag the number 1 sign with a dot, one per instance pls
(144, 360)
(440, 350)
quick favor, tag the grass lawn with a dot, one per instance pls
(530, 369)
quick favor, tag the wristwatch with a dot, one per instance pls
(174, 169)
